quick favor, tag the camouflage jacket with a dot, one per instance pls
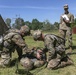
(32, 54)
(52, 41)
(64, 25)
(14, 39)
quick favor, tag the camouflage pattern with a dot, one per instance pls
(32, 56)
(65, 62)
(55, 63)
(25, 29)
(52, 64)
(65, 28)
(39, 63)
(54, 44)
(56, 49)
(26, 63)
(5, 59)
(14, 40)
(37, 34)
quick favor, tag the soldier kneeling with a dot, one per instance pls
(55, 46)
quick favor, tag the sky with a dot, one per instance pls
(39, 9)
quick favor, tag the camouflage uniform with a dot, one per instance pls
(12, 40)
(55, 46)
(32, 60)
(65, 28)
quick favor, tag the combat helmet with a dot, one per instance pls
(66, 6)
(25, 29)
(37, 34)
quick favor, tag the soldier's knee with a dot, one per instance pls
(52, 64)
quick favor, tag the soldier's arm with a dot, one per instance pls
(72, 19)
(17, 39)
(61, 19)
(51, 49)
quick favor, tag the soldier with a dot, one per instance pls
(11, 41)
(66, 21)
(33, 59)
(55, 46)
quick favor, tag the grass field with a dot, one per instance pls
(69, 70)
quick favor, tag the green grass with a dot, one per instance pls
(69, 70)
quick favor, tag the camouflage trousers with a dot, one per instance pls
(57, 52)
(59, 59)
(28, 63)
(57, 63)
(68, 33)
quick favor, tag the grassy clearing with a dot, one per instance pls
(69, 70)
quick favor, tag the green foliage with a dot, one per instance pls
(28, 24)
(73, 24)
(18, 23)
(35, 24)
(8, 22)
(46, 25)
(56, 25)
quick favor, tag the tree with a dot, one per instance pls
(28, 24)
(35, 24)
(46, 25)
(18, 23)
(8, 22)
(56, 25)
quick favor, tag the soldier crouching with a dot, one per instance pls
(11, 41)
(56, 49)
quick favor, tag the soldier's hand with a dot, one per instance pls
(39, 54)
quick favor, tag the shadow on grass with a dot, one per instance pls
(71, 53)
(23, 72)
(13, 62)
(74, 47)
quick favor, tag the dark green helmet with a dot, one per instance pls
(25, 29)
